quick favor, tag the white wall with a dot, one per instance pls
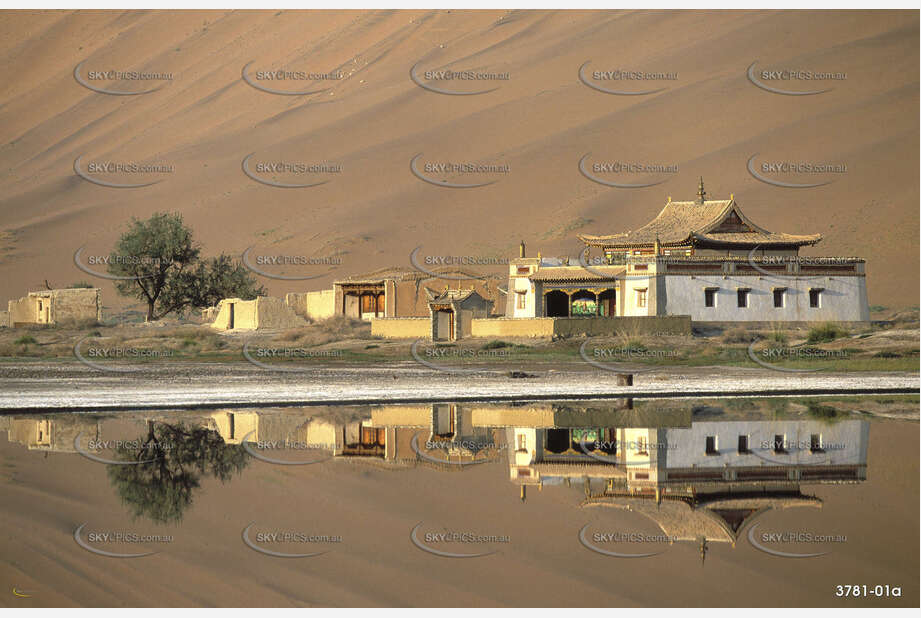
(687, 446)
(843, 299)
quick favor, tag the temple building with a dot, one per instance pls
(703, 258)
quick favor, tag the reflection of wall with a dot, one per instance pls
(648, 457)
(50, 434)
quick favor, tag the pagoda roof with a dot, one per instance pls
(698, 222)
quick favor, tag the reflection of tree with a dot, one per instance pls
(171, 461)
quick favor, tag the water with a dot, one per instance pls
(589, 504)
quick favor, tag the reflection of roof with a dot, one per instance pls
(717, 520)
(577, 273)
(710, 221)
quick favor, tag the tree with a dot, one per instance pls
(209, 281)
(170, 462)
(163, 267)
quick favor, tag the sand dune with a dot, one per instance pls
(708, 122)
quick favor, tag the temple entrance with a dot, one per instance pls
(584, 304)
(372, 305)
(556, 304)
(558, 440)
(607, 303)
(443, 325)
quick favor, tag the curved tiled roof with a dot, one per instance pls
(680, 223)
(577, 273)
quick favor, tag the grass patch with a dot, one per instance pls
(826, 332)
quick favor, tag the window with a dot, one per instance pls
(641, 298)
(711, 446)
(779, 441)
(710, 297)
(524, 270)
(815, 443)
(522, 442)
(743, 445)
(778, 296)
(815, 298)
(522, 300)
(641, 446)
(742, 295)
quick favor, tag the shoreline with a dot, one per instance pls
(63, 387)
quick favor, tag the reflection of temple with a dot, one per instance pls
(450, 427)
(55, 433)
(387, 436)
(699, 481)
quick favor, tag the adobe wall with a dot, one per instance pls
(22, 311)
(75, 304)
(244, 317)
(66, 304)
(402, 328)
(317, 305)
(273, 312)
(511, 327)
(581, 327)
(624, 325)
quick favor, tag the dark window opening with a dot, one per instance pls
(742, 297)
(709, 298)
(814, 298)
(743, 445)
(779, 443)
(711, 446)
(815, 443)
(778, 297)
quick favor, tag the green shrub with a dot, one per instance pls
(826, 332)
(25, 340)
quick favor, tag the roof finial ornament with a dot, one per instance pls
(701, 194)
